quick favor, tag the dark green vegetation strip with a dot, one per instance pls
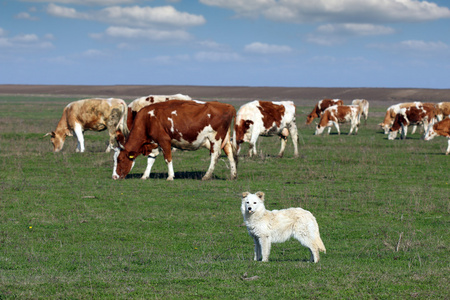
(67, 230)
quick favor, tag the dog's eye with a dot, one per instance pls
(254, 202)
(248, 202)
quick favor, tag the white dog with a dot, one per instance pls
(278, 226)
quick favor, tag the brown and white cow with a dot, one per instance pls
(439, 128)
(95, 114)
(139, 103)
(391, 112)
(442, 110)
(265, 118)
(416, 115)
(320, 107)
(187, 125)
(339, 114)
(364, 108)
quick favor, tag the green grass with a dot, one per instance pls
(67, 230)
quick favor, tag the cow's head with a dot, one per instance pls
(385, 127)
(241, 130)
(430, 134)
(58, 139)
(319, 129)
(311, 117)
(123, 163)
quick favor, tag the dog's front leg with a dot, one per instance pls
(257, 248)
(265, 242)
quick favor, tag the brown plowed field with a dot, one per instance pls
(305, 96)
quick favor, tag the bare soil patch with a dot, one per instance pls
(300, 95)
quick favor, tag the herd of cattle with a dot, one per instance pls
(162, 122)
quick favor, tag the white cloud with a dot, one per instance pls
(134, 16)
(148, 34)
(354, 29)
(333, 34)
(211, 56)
(87, 2)
(26, 16)
(262, 48)
(65, 12)
(354, 11)
(24, 42)
(415, 46)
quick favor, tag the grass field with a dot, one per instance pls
(68, 231)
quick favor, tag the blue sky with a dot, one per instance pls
(292, 43)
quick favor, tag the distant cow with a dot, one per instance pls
(392, 111)
(139, 103)
(364, 107)
(418, 114)
(187, 125)
(265, 118)
(95, 114)
(442, 110)
(320, 107)
(440, 128)
(339, 114)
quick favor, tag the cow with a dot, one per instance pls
(265, 118)
(439, 128)
(339, 114)
(94, 114)
(364, 108)
(187, 125)
(442, 110)
(139, 103)
(320, 107)
(391, 112)
(418, 114)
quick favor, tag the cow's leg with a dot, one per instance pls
(166, 148)
(215, 152)
(294, 135)
(78, 130)
(413, 130)
(404, 131)
(336, 124)
(283, 145)
(228, 149)
(448, 148)
(150, 161)
(252, 144)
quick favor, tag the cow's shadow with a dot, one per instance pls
(198, 175)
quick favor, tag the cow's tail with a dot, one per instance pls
(122, 125)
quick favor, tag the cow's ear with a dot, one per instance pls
(52, 134)
(120, 137)
(245, 194)
(260, 195)
(132, 155)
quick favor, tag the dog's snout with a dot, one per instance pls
(249, 208)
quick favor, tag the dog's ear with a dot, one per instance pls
(245, 194)
(260, 195)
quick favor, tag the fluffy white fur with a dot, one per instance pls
(277, 226)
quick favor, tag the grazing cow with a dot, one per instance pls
(265, 118)
(339, 114)
(187, 125)
(418, 114)
(442, 110)
(90, 114)
(320, 107)
(391, 112)
(364, 108)
(440, 128)
(139, 103)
